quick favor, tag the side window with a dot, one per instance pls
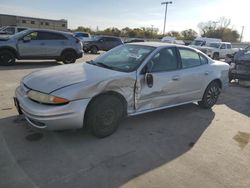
(189, 58)
(223, 46)
(20, 29)
(33, 36)
(10, 30)
(229, 46)
(50, 36)
(203, 59)
(164, 60)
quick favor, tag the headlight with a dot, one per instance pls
(45, 98)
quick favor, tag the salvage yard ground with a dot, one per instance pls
(180, 147)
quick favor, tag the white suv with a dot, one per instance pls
(219, 50)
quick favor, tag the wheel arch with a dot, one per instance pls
(68, 49)
(11, 49)
(109, 93)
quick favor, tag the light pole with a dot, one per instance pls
(166, 10)
(152, 31)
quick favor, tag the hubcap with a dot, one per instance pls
(6, 58)
(68, 58)
(213, 95)
(108, 117)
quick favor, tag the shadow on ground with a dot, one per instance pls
(31, 65)
(76, 159)
(237, 98)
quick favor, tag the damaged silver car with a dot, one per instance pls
(128, 80)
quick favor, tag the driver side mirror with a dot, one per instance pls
(26, 39)
(149, 79)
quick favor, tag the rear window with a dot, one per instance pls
(82, 35)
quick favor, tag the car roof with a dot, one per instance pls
(107, 36)
(50, 30)
(160, 44)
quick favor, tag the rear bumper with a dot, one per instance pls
(80, 55)
(51, 117)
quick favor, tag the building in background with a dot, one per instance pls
(22, 21)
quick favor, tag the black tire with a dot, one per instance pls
(94, 49)
(7, 58)
(210, 96)
(69, 57)
(216, 56)
(103, 115)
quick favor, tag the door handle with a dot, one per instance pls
(176, 78)
(42, 44)
(206, 73)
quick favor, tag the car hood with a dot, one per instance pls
(55, 78)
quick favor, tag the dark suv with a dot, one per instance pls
(103, 43)
(240, 67)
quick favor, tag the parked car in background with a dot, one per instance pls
(40, 44)
(240, 66)
(103, 43)
(128, 80)
(219, 50)
(172, 40)
(134, 40)
(10, 30)
(202, 41)
(83, 36)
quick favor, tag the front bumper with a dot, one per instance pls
(51, 117)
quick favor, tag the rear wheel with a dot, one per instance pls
(216, 56)
(210, 96)
(94, 50)
(69, 57)
(103, 115)
(7, 58)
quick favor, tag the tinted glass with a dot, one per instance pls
(21, 29)
(10, 30)
(50, 36)
(165, 60)
(229, 46)
(189, 58)
(223, 46)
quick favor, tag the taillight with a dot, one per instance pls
(77, 40)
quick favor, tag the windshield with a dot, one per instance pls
(125, 58)
(214, 45)
(198, 43)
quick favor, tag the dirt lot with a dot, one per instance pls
(180, 147)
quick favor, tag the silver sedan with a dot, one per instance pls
(128, 80)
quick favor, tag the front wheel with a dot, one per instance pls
(210, 96)
(103, 115)
(7, 58)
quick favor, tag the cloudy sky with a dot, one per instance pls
(182, 14)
